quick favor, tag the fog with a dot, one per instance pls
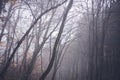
(59, 39)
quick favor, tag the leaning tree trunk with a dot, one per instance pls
(44, 75)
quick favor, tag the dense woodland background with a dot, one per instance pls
(59, 39)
